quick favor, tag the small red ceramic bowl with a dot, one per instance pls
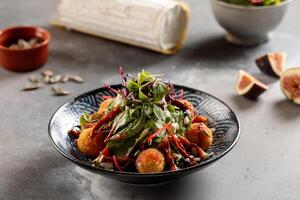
(23, 59)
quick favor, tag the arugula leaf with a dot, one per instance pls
(85, 118)
(138, 139)
(178, 121)
(154, 124)
(142, 96)
(135, 127)
(135, 112)
(132, 86)
(182, 128)
(121, 121)
(124, 147)
(131, 129)
(147, 109)
(120, 148)
(171, 108)
(159, 113)
(159, 92)
(168, 117)
(145, 77)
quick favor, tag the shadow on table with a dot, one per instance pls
(287, 110)
(48, 176)
(215, 48)
(185, 188)
(243, 103)
(265, 78)
(45, 176)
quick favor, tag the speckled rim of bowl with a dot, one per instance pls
(45, 42)
(133, 174)
(241, 7)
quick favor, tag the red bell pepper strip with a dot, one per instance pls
(110, 88)
(258, 2)
(201, 153)
(110, 133)
(106, 152)
(106, 97)
(165, 147)
(150, 138)
(177, 144)
(181, 94)
(106, 118)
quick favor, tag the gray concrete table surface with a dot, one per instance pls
(265, 164)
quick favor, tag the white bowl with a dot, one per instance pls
(248, 25)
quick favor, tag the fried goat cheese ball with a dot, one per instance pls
(101, 111)
(88, 146)
(150, 161)
(200, 134)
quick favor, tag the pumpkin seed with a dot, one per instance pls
(33, 79)
(46, 79)
(31, 86)
(55, 79)
(59, 91)
(23, 44)
(65, 78)
(47, 73)
(33, 42)
(14, 47)
(77, 79)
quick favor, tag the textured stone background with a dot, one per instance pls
(264, 165)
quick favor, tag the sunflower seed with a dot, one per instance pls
(65, 78)
(23, 44)
(77, 79)
(33, 79)
(47, 73)
(31, 86)
(46, 79)
(59, 91)
(55, 79)
(14, 47)
(33, 42)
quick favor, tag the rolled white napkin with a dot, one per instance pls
(159, 25)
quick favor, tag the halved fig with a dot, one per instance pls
(272, 64)
(290, 84)
(249, 86)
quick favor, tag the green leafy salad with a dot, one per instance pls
(254, 2)
(144, 127)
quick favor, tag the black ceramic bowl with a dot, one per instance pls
(221, 117)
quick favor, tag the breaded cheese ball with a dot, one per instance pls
(103, 106)
(150, 161)
(90, 147)
(200, 134)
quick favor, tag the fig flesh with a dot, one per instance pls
(272, 64)
(248, 86)
(290, 84)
